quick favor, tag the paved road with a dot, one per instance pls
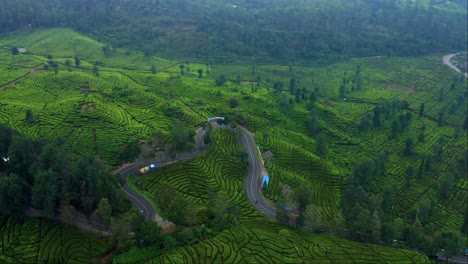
(446, 61)
(254, 176)
(252, 181)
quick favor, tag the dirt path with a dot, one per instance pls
(446, 61)
(32, 71)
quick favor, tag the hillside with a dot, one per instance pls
(291, 32)
(325, 127)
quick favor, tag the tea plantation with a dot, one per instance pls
(113, 98)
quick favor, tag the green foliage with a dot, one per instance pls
(233, 103)
(14, 51)
(147, 232)
(221, 80)
(29, 116)
(45, 191)
(98, 116)
(105, 211)
(36, 240)
(13, 195)
(321, 144)
(96, 71)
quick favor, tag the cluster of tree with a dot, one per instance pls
(47, 176)
(148, 234)
(183, 139)
(222, 213)
(369, 215)
(280, 30)
(387, 111)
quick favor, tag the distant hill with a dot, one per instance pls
(286, 31)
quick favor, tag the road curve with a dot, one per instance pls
(446, 61)
(252, 181)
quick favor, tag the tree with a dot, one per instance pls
(409, 147)
(21, 153)
(77, 61)
(121, 234)
(200, 73)
(292, 85)
(5, 139)
(282, 214)
(55, 67)
(358, 223)
(302, 197)
(68, 62)
(286, 193)
(396, 127)
(298, 96)
(107, 49)
(153, 69)
(165, 193)
(217, 206)
(364, 171)
(170, 243)
(13, 193)
(387, 198)
(446, 185)
(185, 236)
(130, 152)
(410, 171)
(105, 211)
(14, 50)
(45, 191)
(377, 118)
(180, 135)
(95, 70)
(452, 242)
(147, 232)
(278, 86)
(313, 215)
(422, 137)
(321, 144)
(440, 118)
(181, 66)
(342, 91)
(233, 103)
(375, 227)
(221, 80)
(177, 210)
(365, 122)
(29, 116)
(358, 77)
(239, 79)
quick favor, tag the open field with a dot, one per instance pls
(98, 115)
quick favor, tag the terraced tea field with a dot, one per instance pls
(127, 103)
(266, 242)
(257, 238)
(37, 240)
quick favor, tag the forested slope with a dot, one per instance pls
(296, 30)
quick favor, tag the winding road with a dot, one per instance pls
(446, 61)
(252, 181)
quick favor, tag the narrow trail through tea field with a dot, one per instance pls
(13, 83)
